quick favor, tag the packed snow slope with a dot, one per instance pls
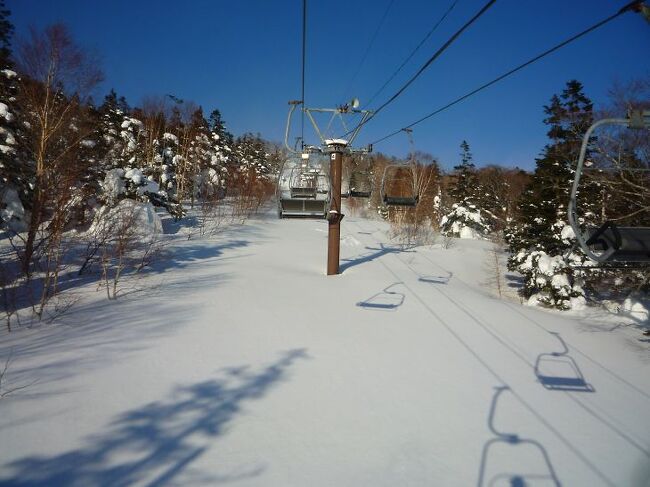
(239, 362)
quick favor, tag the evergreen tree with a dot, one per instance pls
(541, 237)
(207, 158)
(218, 127)
(6, 31)
(464, 188)
(15, 171)
(125, 172)
(464, 220)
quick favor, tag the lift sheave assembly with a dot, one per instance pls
(611, 242)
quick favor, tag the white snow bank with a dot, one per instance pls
(635, 309)
(5, 113)
(113, 184)
(170, 137)
(137, 218)
(11, 209)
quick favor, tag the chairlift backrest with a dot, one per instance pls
(360, 184)
(398, 185)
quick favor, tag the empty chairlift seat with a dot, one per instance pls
(398, 186)
(303, 189)
(360, 185)
(620, 244)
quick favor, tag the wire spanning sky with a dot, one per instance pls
(244, 58)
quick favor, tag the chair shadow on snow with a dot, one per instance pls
(559, 372)
(437, 279)
(370, 256)
(157, 442)
(385, 300)
(510, 460)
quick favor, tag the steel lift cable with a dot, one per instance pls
(304, 51)
(632, 6)
(365, 54)
(413, 52)
(435, 56)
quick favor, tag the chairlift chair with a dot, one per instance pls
(399, 181)
(398, 185)
(610, 243)
(303, 189)
(360, 184)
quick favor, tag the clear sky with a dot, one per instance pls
(243, 57)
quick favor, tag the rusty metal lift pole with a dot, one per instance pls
(334, 216)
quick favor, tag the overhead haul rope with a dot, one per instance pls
(416, 49)
(302, 96)
(630, 6)
(435, 56)
(365, 54)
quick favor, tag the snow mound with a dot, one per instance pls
(11, 209)
(464, 222)
(129, 216)
(635, 309)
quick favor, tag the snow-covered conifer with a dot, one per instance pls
(541, 237)
(464, 220)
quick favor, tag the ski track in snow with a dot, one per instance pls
(248, 365)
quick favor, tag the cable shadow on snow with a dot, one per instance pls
(370, 256)
(159, 441)
(513, 451)
(557, 371)
(385, 300)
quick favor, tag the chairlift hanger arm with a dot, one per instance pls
(314, 124)
(581, 161)
(635, 121)
(572, 210)
(294, 104)
(366, 114)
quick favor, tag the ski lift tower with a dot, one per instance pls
(335, 148)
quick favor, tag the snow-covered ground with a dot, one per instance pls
(239, 362)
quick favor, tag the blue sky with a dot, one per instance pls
(243, 57)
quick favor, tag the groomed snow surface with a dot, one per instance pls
(237, 361)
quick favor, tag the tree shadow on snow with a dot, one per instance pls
(157, 442)
(183, 256)
(514, 281)
(95, 332)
